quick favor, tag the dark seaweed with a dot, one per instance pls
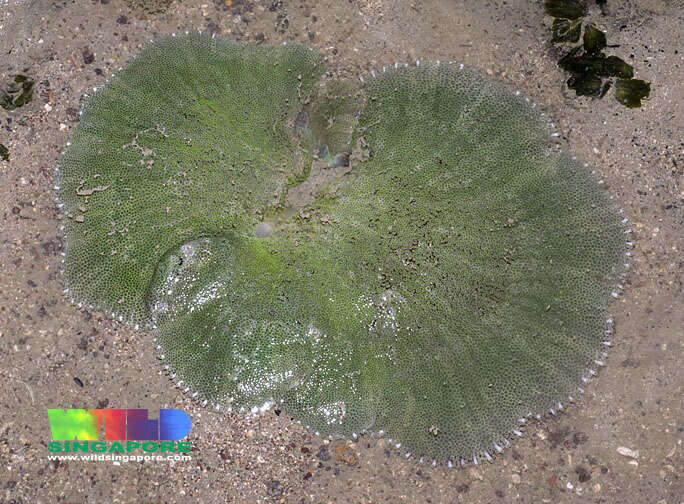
(594, 40)
(569, 9)
(586, 63)
(612, 66)
(565, 30)
(17, 92)
(585, 84)
(630, 92)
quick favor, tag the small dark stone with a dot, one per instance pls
(259, 37)
(98, 71)
(4, 153)
(102, 403)
(31, 283)
(78, 381)
(122, 20)
(323, 453)
(604, 469)
(583, 474)
(499, 493)
(16, 210)
(88, 56)
(304, 449)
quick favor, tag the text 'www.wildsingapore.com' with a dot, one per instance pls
(118, 459)
(130, 436)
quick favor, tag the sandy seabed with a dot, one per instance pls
(56, 355)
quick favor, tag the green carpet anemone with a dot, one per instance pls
(409, 256)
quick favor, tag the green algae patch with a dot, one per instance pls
(590, 69)
(570, 9)
(630, 92)
(452, 282)
(565, 30)
(17, 93)
(594, 40)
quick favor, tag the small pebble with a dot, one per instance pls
(626, 452)
(515, 478)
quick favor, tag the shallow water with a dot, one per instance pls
(50, 347)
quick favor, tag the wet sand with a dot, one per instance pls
(48, 346)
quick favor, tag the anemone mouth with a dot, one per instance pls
(410, 257)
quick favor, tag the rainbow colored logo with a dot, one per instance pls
(119, 424)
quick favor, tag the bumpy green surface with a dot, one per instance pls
(455, 280)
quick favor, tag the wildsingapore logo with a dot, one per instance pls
(72, 429)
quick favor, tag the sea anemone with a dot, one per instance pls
(449, 280)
